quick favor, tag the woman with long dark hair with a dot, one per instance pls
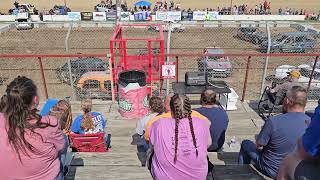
(180, 143)
(29, 143)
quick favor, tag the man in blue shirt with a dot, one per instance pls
(304, 162)
(217, 116)
(278, 136)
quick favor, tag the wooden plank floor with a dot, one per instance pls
(122, 163)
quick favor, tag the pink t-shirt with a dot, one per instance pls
(42, 166)
(188, 166)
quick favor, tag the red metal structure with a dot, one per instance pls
(135, 53)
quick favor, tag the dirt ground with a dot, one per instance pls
(96, 40)
(85, 5)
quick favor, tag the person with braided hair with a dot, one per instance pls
(29, 143)
(180, 143)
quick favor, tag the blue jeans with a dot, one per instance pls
(62, 157)
(248, 153)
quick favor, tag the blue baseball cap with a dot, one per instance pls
(50, 103)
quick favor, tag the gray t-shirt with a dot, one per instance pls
(279, 137)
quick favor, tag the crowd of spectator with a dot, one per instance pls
(173, 140)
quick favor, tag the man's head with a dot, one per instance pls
(208, 97)
(296, 99)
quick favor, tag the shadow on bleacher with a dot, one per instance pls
(72, 169)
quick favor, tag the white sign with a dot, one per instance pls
(125, 16)
(168, 71)
(99, 16)
(74, 16)
(174, 15)
(199, 15)
(161, 16)
(212, 15)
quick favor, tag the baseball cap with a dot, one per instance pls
(295, 74)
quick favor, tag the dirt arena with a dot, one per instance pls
(96, 40)
(85, 5)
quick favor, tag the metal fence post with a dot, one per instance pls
(43, 78)
(312, 72)
(246, 79)
(177, 69)
(168, 52)
(266, 60)
(69, 61)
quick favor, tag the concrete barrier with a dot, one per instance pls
(7, 18)
(282, 24)
(35, 18)
(88, 24)
(209, 24)
(55, 25)
(229, 24)
(248, 24)
(5, 27)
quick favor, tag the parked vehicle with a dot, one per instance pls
(251, 34)
(245, 33)
(95, 85)
(173, 25)
(305, 70)
(215, 66)
(79, 67)
(59, 10)
(23, 21)
(102, 8)
(293, 42)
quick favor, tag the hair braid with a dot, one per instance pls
(176, 108)
(187, 108)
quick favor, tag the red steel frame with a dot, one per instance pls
(122, 64)
(249, 55)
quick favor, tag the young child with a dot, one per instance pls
(88, 122)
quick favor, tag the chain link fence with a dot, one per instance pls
(181, 39)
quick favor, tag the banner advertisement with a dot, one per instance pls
(199, 15)
(74, 16)
(174, 15)
(125, 16)
(161, 16)
(111, 16)
(141, 16)
(86, 16)
(99, 16)
(212, 16)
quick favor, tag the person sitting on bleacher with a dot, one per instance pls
(156, 108)
(278, 136)
(280, 90)
(180, 143)
(29, 143)
(217, 116)
(88, 122)
(61, 109)
(304, 162)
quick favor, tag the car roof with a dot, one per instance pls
(215, 51)
(95, 75)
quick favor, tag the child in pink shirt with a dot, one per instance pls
(29, 143)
